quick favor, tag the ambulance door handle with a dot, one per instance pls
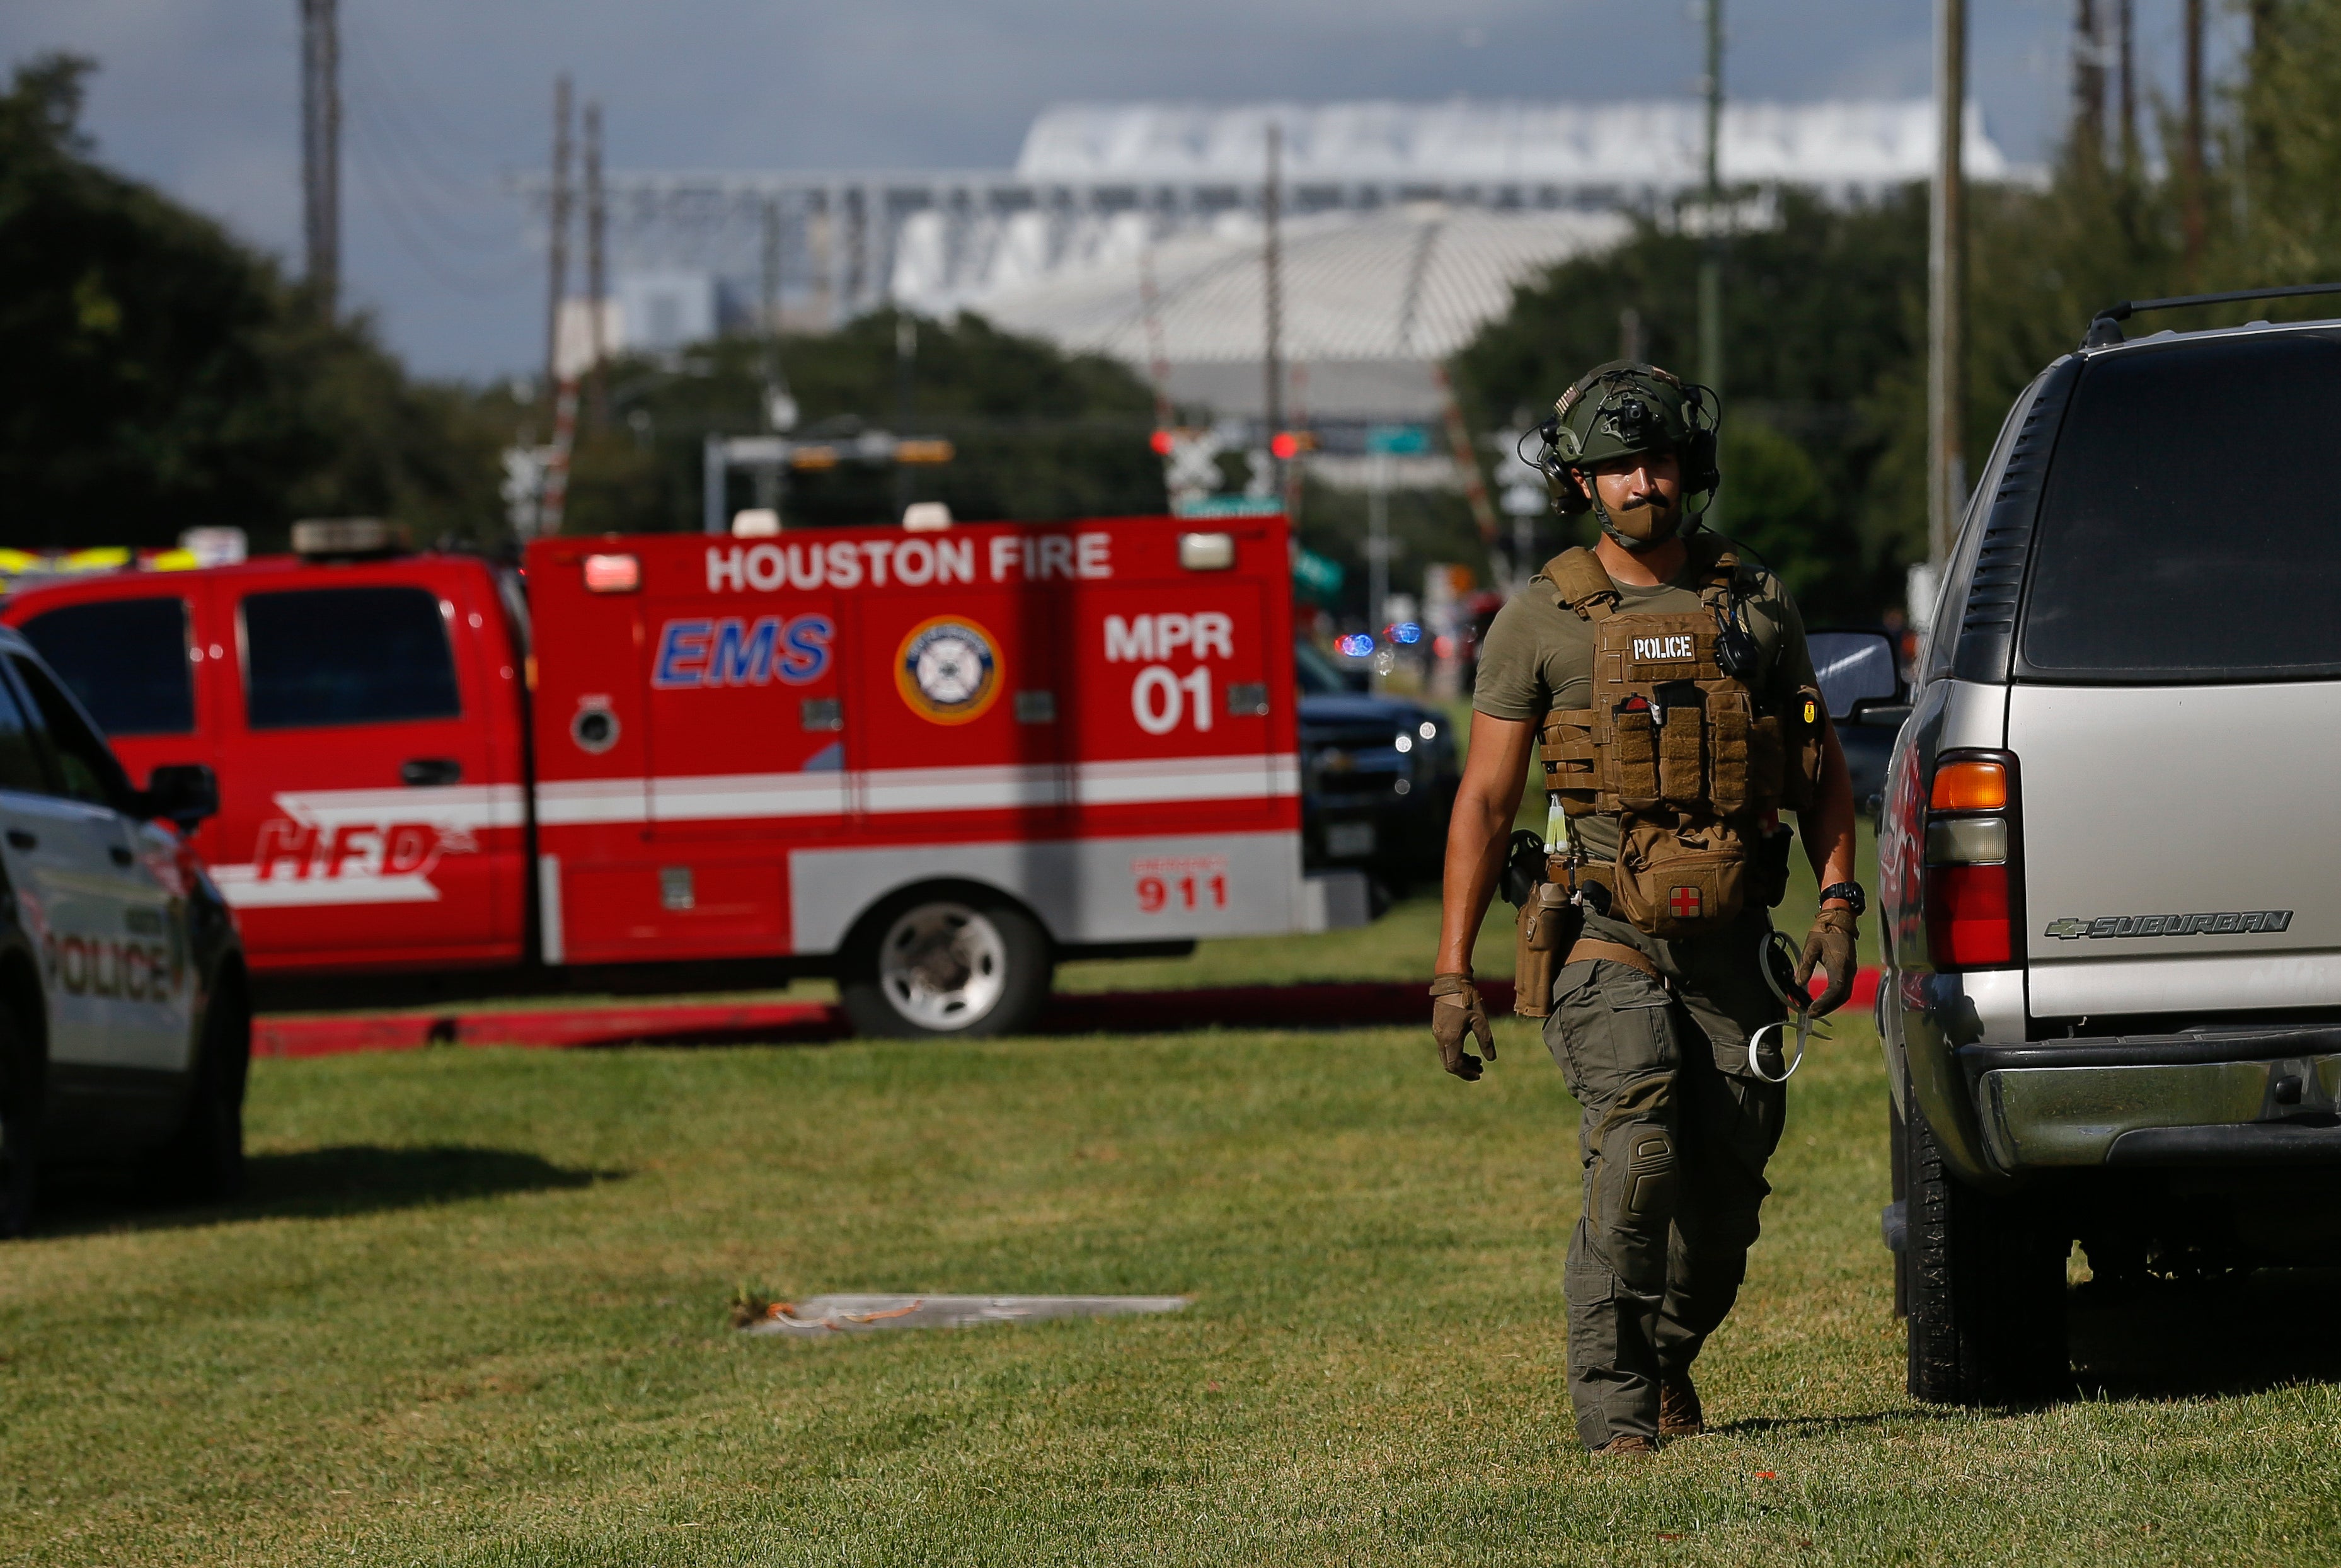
(20, 840)
(423, 772)
(122, 857)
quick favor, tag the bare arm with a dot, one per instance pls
(1495, 772)
(1828, 826)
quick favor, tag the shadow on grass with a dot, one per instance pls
(2168, 1341)
(1826, 1425)
(349, 1180)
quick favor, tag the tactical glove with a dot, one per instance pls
(1455, 1010)
(1830, 946)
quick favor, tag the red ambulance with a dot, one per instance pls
(931, 764)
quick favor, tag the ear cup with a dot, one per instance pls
(1567, 499)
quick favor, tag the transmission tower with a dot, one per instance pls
(597, 282)
(321, 145)
(557, 250)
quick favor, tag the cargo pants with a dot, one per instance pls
(1675, 1134)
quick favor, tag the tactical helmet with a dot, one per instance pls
(1621, 409)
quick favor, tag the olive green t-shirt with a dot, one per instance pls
(1539, 656)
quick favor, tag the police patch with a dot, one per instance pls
(948, 670)
(1667, 648)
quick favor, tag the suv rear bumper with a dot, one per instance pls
(2235, 1096)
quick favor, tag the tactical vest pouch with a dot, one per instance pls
(1546, 929)
(1676, 881)
(1682, 756)
(1727, 727)
(1802, 727)
(1631, 774)
(1571, 761)
(1764, 764)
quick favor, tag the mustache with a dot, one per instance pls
(1653, 498)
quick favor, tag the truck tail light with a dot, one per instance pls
(1974, 899)
(613, 574)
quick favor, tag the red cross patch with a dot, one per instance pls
(1685, 903)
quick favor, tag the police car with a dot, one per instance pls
(124, 1029)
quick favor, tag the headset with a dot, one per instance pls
(1629, 418)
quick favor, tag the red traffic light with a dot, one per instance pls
(1285, 444)
(1161, 442)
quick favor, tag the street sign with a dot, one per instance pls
(1322, 577)
(1397, 440)
(1229, 506)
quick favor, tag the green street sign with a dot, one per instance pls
(1397, 440)
(1229, 506)
(1317, 576)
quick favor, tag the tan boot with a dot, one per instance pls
(1679, 1414)
(1631, 1443)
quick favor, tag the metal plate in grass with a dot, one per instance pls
(824, 1314)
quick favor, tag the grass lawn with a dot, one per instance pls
(474, 1313)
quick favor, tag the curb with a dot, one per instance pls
(1330, 1005)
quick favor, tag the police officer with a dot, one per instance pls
(1667, 680)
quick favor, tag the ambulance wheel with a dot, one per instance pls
(946, 962)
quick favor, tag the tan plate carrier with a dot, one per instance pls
(1674, 748)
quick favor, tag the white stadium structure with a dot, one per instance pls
(1137, 230)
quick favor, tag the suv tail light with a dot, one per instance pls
(1974, 893)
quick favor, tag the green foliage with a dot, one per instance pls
(1426, 527)
(155, 375)
(1038, 434)
(1822, 308)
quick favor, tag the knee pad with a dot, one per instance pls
(1651, 1174)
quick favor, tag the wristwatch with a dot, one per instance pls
(1849, 891)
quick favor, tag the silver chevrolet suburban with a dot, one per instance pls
(2110, 852)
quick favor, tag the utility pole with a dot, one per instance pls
(2125, 30)
(2193, 219)
(597, 278)
(321, 146)
(2088, 86)
(1947, 287)
(906, 361)
(771, 259)
(1710, 267)
(557, 227)
(1271, 199)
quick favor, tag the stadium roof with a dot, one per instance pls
(1370, 301)
(1646, 147)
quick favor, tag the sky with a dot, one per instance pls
(446, 99)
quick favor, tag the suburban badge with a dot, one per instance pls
(2228, 923)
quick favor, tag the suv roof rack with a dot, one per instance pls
(2105, 329)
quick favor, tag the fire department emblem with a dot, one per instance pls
(948, 670)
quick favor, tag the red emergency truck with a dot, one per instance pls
(931, 764)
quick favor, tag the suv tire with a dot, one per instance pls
(204, 1161)
(1984, 1281)
(944, 962)
(20, 1124)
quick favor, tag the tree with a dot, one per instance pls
(155, 375)
(1826, 305)
(1038, 433)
